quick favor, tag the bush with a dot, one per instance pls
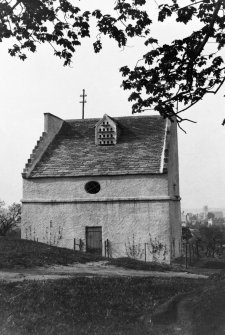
(213, 238)
(10, 217)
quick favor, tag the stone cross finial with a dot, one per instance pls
(83, 102)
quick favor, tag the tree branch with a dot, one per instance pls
(214, 92)
(192, 4)
(16, 4)
(188, 107)
(203, 43)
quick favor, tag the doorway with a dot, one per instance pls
(94, 240)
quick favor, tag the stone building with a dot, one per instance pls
(112, 179)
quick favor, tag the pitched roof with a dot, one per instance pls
(73, 151)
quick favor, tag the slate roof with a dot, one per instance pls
(73, 151)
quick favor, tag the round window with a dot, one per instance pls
(92, 187)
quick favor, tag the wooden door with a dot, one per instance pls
(94, 240)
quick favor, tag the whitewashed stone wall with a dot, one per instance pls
(175, 224)
(57, 210)
(59, 224)
(61, 189)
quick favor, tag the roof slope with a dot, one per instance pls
(73, 151)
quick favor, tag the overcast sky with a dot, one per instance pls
(41, 84)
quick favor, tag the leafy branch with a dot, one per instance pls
(170, 78)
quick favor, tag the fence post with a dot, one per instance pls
(105, 247)
(74, 244)
(190, 253)
(80, 244)
(145, 251)
(193, 252)
(186, 254)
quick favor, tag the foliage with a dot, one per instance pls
(10, 217)
(186, 233)
(219, 222)
(63, 25)
(81, 245)
(212, 237)
(210, 215)
(82, 305)
(157, 249)
(213, 263)
(134, 248)
(207, 309)
(170, 78)
(25, 253)
(56, 235)
(129, 263)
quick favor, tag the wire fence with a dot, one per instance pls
(152, 251)
(78, 244)
(192, 252)
(189, 252)
(147, 251)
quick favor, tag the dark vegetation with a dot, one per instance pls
(23, 253)
(169, 78)
(100, 305)
(205, 250)
(16, 252)
(129, 263)
(206, 309)
(86, 305)
(213, 264)
(212, 240)
(205, 246)
(10, 218)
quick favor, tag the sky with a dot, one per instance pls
(42, 85)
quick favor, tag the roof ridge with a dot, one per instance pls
(117, 117)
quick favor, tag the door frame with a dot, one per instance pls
(86, 237)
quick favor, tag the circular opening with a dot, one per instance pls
(92, 187)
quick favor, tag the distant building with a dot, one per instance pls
(205, 212)
(210, 222)
(218, 214)
(189, 217)
(183, 219)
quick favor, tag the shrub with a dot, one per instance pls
(10, 217)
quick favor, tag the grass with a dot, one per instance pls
(129, 263)
(213, 263)
(207, 309)
(86, 305)
(27, 254)
(99, 306)
(24, 253)
(202, 262)
(19, 253)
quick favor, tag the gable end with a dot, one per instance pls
(52, 125)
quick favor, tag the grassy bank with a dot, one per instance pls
(129, 263)
(86, 305)
(99, 306)
(24, 253)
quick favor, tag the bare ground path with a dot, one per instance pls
(88, 269)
